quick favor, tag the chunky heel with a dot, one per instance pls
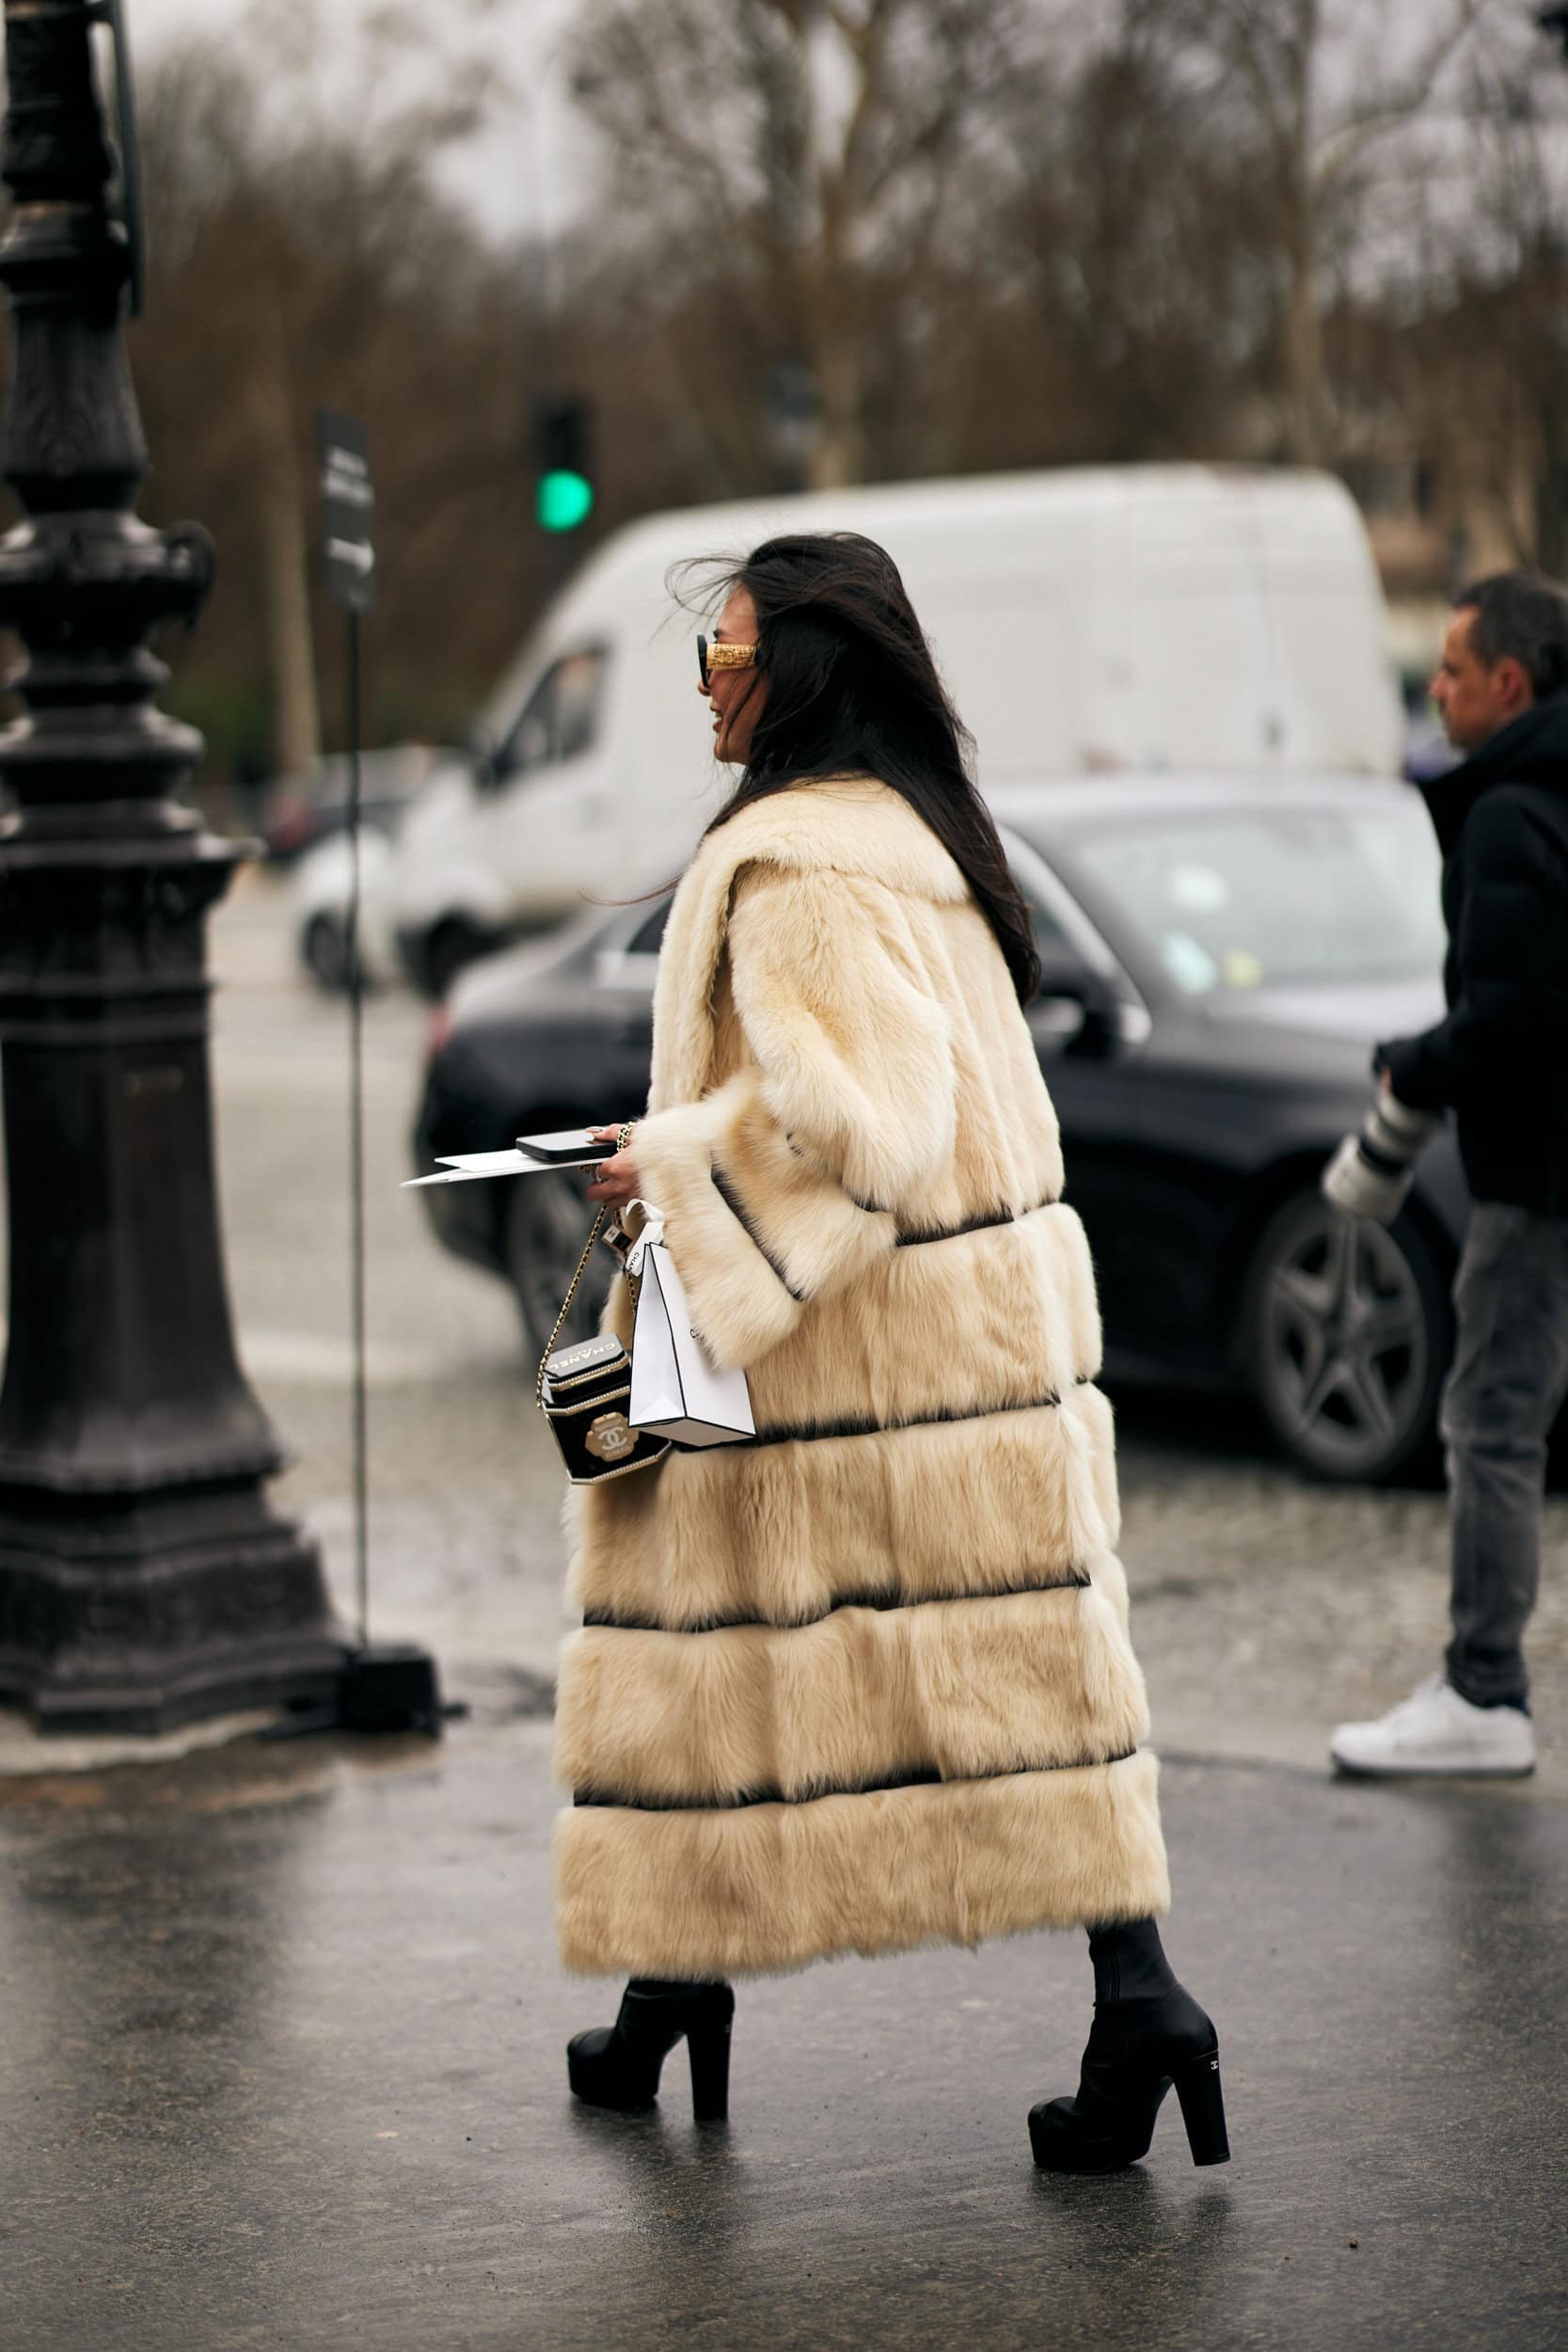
(1139, 2048)
(1197, 2087)
(618, 2066)
(707, 2046)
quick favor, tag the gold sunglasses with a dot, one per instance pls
(711, 655)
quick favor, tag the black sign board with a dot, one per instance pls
(348, 510)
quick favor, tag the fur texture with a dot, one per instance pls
(1022, 1682)
(867, 1683)
(773, 1886)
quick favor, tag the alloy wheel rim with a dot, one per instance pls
(1345, 1348)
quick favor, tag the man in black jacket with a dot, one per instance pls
(1499, 1060)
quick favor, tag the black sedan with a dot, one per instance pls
(1219, 960)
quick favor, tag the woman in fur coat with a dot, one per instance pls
(865, 1682)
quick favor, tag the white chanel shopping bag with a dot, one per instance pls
(675, 1391)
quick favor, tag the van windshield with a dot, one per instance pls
(1270, 898)
(561, 718)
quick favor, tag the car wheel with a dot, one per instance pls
(324, 951)
(1348, 1331)
(547, 1224)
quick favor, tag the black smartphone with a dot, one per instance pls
(570, 1148)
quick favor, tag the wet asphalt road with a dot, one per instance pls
(281, 2059)
(283, 2068)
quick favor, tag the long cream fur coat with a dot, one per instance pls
(864, 1684)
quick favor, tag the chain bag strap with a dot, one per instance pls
(595, 1232)
(584, 1391)
(622, 1137)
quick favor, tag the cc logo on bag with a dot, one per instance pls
(610, 1437)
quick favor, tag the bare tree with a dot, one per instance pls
(1319, 87)
(1489, 389)
(818, 137)
(999, 233)
(1134, 274)
(270, 232)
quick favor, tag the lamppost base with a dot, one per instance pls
(139, 1621)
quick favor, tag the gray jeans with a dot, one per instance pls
(1508, 1380)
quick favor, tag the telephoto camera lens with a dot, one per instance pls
(1372, 1170)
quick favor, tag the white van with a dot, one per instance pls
(1225, 619)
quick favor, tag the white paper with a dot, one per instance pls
(454, 1176)
(468, 1167)
(486, 1162)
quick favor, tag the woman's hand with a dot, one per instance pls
(615, 1181)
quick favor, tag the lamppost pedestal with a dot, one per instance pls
(144, 1579)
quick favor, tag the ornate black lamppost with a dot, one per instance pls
(143, 1578)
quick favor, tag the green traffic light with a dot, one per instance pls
(566, 499)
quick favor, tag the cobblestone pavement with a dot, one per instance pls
(1265, 1608)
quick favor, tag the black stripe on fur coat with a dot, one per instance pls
(855, 1692)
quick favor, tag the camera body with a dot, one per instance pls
(1372, 1170)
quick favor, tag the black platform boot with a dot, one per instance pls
(1148, 2034)
(618, 2066)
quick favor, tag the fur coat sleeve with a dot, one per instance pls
(786, 1182)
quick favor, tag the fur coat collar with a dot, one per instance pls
(844, 824)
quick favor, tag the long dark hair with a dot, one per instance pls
(852, 688)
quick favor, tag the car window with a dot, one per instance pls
(1256, 898)
(560, 720)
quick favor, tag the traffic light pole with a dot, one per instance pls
(563, 477)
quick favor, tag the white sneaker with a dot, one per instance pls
(1435, 1730)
